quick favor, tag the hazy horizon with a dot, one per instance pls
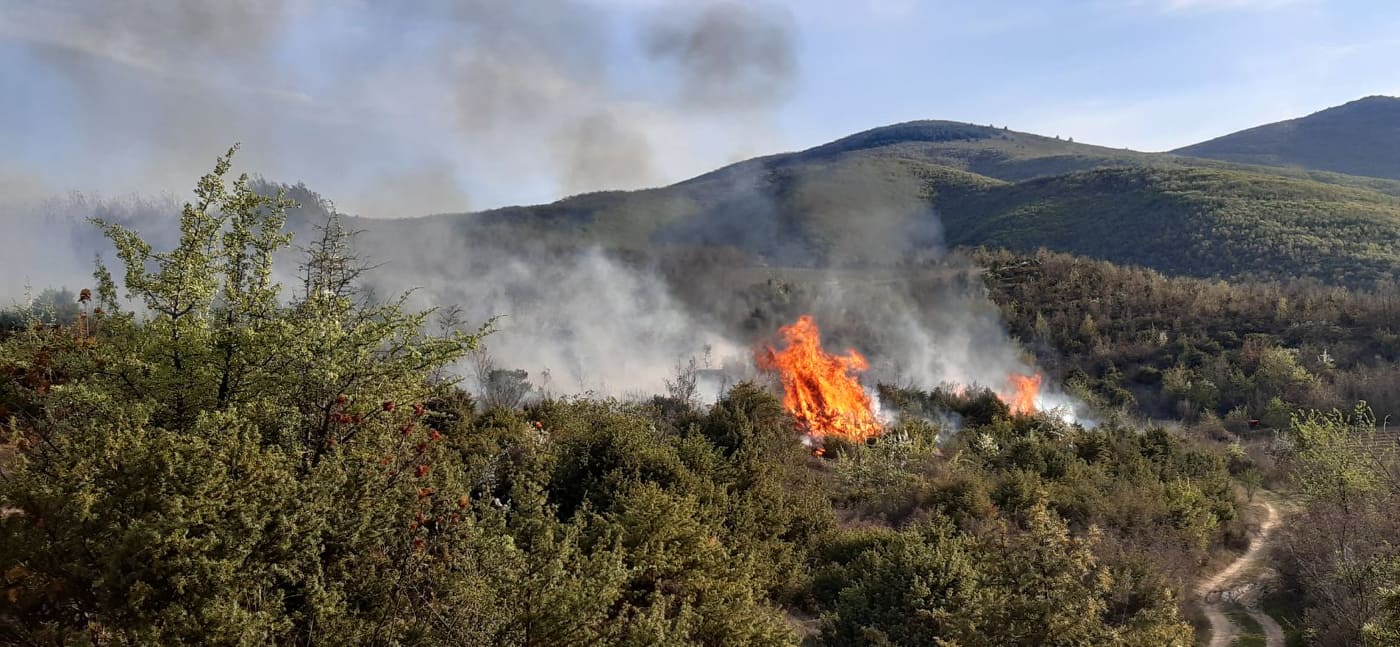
(461, 106)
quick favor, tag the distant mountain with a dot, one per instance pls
(877, 196)
(1357, 138)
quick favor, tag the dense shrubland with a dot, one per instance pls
(875, 193)
(1280, 366)
(248, 464)
(1339, 558)
(1224, 352)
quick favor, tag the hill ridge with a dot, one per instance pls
(1360, 137)
(877, 194)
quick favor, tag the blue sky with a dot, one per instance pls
(401, 109)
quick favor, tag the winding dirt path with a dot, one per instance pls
(1273, 633)
(1217, 590)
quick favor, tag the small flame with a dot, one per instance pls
(819, 389)
(1025, 391)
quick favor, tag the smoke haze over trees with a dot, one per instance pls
(482, 90)
(351, 399)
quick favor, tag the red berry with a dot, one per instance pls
(388, 405)
(340, 399)
(355, 418)
(423, 470)
(419, 410)
(435, 435)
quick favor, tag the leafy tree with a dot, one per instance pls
(903, 588)
(224, 468)
(1049, 589)
(1384, 629)
(1330, 469)
(931, 585)
(1341, 552)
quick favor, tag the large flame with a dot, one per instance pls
(819, 389)
(1025, 390)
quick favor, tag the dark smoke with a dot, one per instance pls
(728, 55)
(395, 108)
(389, 118)
(404, 101)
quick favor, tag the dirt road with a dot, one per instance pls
(1224, 588)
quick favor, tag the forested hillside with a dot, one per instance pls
(230, 466)
(1239, 356)
(628, 323)
(1357, 138)
(938, 183)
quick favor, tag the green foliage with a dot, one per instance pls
(222, 468)
(1329, 467)
(1385, 628)
(1355, 138)
(1192, 222)
(1185, 347)
(749, 419)
(228, 468)
(934, 586)
(1340, 554)
(229, 462)
(865, 200)
(896, 588)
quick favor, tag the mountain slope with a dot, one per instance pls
(1195, 222)
(1358, 138)
(879, 196)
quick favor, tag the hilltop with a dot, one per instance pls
(881, 194)
(1358, 138)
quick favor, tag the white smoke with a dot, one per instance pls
(52, 244)
(397, 109)
(576, 319)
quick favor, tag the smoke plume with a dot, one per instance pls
(395, 109)
(404, 110)
(577, 319)
(730, 56)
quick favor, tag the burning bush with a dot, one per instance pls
(820, 390)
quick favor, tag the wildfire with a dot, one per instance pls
(1025, 390)
(820, 389)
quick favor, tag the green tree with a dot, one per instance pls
(1044, 586)
(1384, 629)
(1088, 329)
(223, 468)
(1341, 553)
(1330, 468)
(905, 588)
(932, 585)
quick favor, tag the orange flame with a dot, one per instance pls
(819, 389)
(1025, 389)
